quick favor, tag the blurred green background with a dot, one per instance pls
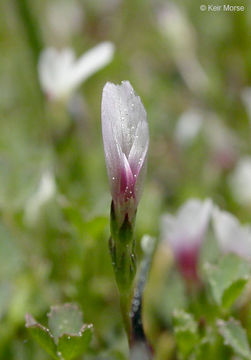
(181, 61)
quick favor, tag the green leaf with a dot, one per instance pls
(71, 346)
(227, 279)
(210, 347)
(66, 337)
(186, 332)
(235, 337)
(42, 335)
(65, 319)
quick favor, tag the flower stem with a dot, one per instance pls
(122, 250)
(31, 28)
(125, 302)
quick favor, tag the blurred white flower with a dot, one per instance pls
(246, 98)
(60, 74)
(45, 191)
(174, 24)
(240, 181)
(185, 233)
(57, 13)
(188, 126)
(231, 235)
(223, 142)
(147, 244)
(180, 34)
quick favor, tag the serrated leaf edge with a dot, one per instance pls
(80, 333)
(220, 323)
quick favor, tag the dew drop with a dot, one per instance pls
(136, 303)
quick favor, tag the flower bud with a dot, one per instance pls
(126, 138)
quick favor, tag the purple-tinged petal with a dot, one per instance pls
(185, 233)
(127, 180)
(126, 138)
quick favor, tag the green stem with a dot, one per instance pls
(122, 250)
(31, 28)
(33, 35)
(125, 302)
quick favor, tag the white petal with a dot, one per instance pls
(188, 126)
(187, 228)
(89, 63)
(113, 153)
(194, 215)
(45, 191)
(53, 68)
(240, 181)
(232, 237)
(139, 147)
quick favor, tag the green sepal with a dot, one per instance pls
(122, 249)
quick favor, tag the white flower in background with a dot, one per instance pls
(60, 73)
(246, 98)
(173, 23)
(45, 191)
(240, 181)
(57, 13)
(147, 244)
(231, 235)
(223, 141)
(188, 126)
(175, 26)
(126, 138)
(185, 234)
